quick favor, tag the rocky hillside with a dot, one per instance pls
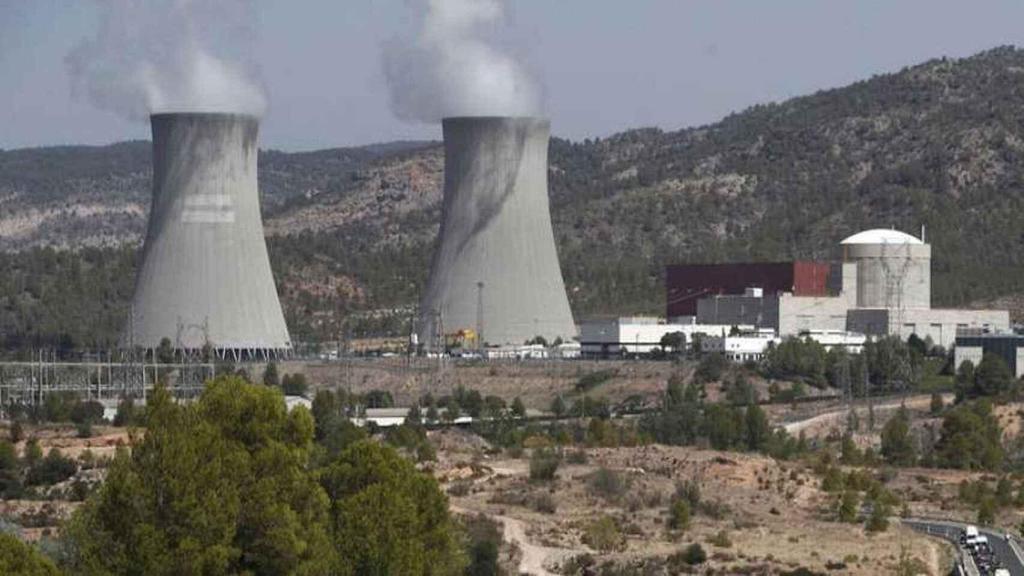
(940, 144)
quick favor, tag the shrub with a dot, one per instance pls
(848, 506)
(592, 380)
(690, 491)
(8, 456)
(544, 464)
(16, 432)
(603, 534)
(678, 514)
(294, 384)
(544, 503)
(20, 559)
(692, 555)
(608, 484)
(87, 412)
(53, 469)
(577, 457)
(484, 542)
(126, 414)
(721, 540)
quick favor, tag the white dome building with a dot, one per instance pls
(894, 269)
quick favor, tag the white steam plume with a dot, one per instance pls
(151, 56)
(449, 69)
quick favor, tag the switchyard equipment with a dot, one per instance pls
(205, 279)
(112, 375)
(495, 267)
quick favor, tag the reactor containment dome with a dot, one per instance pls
(205, 278)
(495, 270)
(893, 269)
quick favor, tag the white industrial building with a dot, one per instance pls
(882, 286)
(852, 342)
(638, 335)
(744, 347)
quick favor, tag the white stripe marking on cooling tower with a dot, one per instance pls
(208, 209)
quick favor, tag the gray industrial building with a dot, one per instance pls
(205, 277)
(495, 269)
(882, 286)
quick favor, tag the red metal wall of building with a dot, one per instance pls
(687, 283)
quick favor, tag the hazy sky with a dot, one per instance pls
(604, 65)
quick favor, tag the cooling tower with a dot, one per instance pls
(205, 275)
(495, 270)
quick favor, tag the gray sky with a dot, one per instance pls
(604, 65)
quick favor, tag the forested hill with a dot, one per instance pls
(940, 144)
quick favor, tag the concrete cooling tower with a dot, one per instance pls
(205, 275)
(495, 271)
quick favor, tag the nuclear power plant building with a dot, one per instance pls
(881, 286)
(205, 277)
(495, 272)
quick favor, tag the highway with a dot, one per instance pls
(1009, 558)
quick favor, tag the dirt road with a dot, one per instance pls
(837, 417)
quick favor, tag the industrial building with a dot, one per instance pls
(744, 347)
(495, 269)
(973, 347)
(686, 284)
(205, 277)
(639, 335)
(881, 286)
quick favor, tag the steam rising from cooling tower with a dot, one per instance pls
(495, 269)
(151, 56)
(205, 276)
(449, 68)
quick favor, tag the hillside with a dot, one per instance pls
(940, 144)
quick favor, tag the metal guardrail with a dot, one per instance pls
(965, 563)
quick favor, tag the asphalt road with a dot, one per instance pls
(951, 531)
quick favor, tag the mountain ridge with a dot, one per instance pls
(350, 230)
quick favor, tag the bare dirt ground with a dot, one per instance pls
(773, 513)
(833, 420)
(536, 382)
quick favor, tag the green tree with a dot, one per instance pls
(711, 368)
(270, 375)
(165, 351)
(970, 438)
(518, 408)
(20, 559)
(294, 384)
(987, 510)
(797, 358)
(679, 514)
(964, 380)
(897, 444)
(558, 407)
(757, 430)
(993, 376)
(387, 517)
(849, 503)
(673, 342)
(849, 453)
(126, 413)
(33, 453)
(723, 426)
(221, 486)
(937, 405)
